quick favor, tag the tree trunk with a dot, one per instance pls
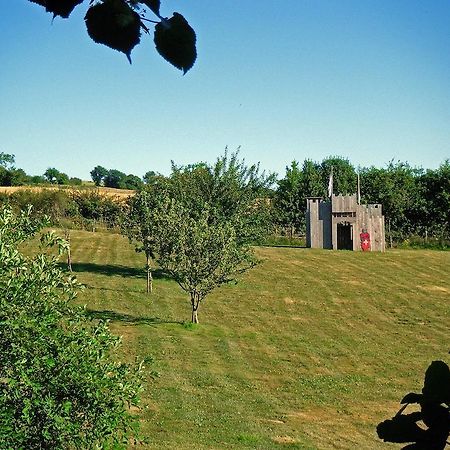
(69, 260)
(195, 300)
(69, 254)
(149, 276)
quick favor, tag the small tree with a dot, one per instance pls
(140, 224)
(59, 385)
(200, 253)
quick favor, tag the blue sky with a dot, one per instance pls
(293, 79)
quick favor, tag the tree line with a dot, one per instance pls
(415, 201)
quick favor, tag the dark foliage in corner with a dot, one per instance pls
(118, 25)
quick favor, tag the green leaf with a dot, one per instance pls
(175, 42)
(114, 24)
(61, 8)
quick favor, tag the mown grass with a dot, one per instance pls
(309, 351)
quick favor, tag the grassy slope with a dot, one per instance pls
(310, 350)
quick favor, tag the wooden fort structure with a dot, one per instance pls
(338, 223)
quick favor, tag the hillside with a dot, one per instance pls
(309, 351)
(121, 193)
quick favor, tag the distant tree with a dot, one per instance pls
(115, 179)
(51, 175)
(150, 177)
(19, 177)
(37, 179)
(289, 199)
(435, 192)
(6, 169)
(98, 175)
(75, 181)
(313, 180)
(344, 175)
(118, 24)
(61, 387)
(132, 182)
(397, 188)
(54, 176)
(5, 177)
(294, 188)
(7, 160)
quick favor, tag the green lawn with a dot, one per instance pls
(309, 351)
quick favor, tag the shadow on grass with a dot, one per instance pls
(282, 246)
(113, 270)
(127, 318)
(102, 288)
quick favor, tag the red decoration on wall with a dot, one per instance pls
(365, 241)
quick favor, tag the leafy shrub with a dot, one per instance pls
(92, 205)
(60, 385)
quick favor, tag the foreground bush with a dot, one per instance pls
(60, 386)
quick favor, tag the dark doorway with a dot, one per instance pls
(344, 236)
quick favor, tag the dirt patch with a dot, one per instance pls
(431, 288)
(369, 412)
(284, 440)
(288, 300)
(299, 319)
(355, 282)
(276, 421)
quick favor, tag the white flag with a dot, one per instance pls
(330, 184)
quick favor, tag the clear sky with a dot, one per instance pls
(365, 79)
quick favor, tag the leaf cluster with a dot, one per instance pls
(434, 403)
(118, 24)
(199, 252)
(60, 383)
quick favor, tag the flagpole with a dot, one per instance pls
(359, 190)
(330, 184)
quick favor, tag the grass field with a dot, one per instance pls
(309, 351)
